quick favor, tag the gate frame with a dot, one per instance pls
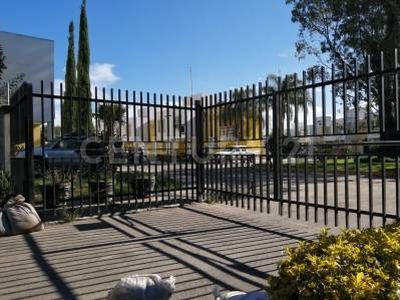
(21, 112)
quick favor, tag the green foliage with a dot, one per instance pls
(289, 99)
(348, 31)
(111, 115)
(69, 110)
(58, 176)
(161, 183)
(356, 264)
(248, 102)
(214, 199)
(71, 215)
(6, 185)
(84, 118)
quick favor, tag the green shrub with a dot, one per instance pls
(6, 185)
(70, 215)
(213, 199)
(356, 264)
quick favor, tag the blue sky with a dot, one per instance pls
(150, 45)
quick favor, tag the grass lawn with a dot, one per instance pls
(363, 167)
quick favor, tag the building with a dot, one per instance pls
(33, 58)
(166, 130)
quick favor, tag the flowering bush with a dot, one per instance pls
(356, 264)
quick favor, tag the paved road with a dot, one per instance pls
(358, 195)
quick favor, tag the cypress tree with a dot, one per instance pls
(84, 115)
(69, 105)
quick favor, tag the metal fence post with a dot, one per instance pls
(276, 153)
(199, 148)
(5, 141)
(21, 133)
(29, 168)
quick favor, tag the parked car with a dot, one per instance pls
(73, 152)
(59, 153)
(236, 153)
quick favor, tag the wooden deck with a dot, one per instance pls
(201, 245)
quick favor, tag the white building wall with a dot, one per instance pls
(34, 57)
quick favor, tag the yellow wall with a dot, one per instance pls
(36, 134)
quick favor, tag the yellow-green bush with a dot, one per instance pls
(356, 264)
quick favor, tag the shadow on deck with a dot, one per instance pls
(202, 245)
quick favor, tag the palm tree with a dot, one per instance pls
(291, 95)
(111, 116)
(247, 104)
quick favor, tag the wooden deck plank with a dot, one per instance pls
(202, 245)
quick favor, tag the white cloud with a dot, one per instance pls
(102, 75)
(57, 120)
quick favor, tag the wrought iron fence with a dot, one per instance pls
(134, 151)
(323, 148)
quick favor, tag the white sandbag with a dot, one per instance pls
(238, 295)
(22, 217)
(143, 287)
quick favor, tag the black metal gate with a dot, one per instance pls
(317, 149)
(323, 148)
(142, 160)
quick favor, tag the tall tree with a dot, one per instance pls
(84, 117)
(69, 111)
(247, 103)
(341, 32)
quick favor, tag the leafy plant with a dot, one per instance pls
(142, 183)
(101, 175)
(6, 184)
(57, 176)
(214, 199)
(71, 215)
(161, 183)
(356, 264)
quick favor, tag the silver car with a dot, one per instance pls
(236, 153)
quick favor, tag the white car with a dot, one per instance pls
(236, 153)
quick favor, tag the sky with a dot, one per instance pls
(175, 47)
